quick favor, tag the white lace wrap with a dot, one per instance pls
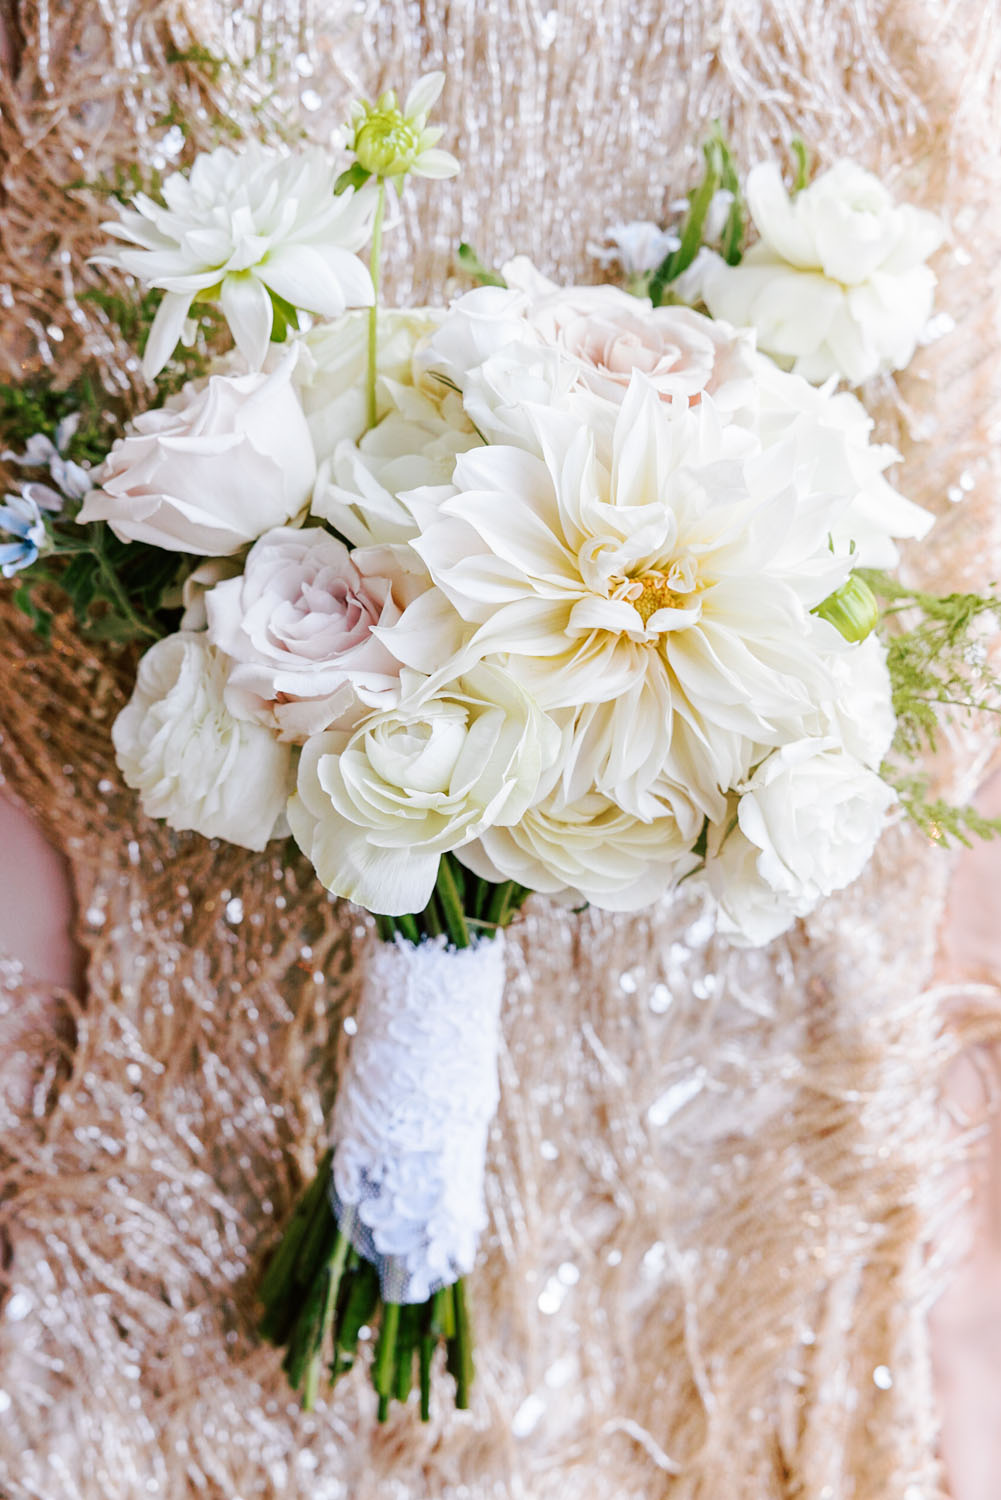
(413, 1109)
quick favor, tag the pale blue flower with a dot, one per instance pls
(41, 452)
(21, 517)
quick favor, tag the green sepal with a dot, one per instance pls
(852, 609)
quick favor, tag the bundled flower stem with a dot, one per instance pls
(318, 1292)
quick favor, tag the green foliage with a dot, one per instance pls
(720, 172)
(938, 664)
(199, 57)
(470, 262)
(939, 820)
(938, 661)
(36, 407)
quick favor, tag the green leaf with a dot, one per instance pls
(354, 176)
(720, 172)
(470, 262)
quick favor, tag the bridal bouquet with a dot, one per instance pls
(568, 590)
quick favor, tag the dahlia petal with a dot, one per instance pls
(247, 309)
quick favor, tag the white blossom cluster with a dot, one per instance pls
(555, 611)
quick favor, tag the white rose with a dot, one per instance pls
(837, 282)
(210, 474)
(190, 761)
(375, 810)
(297, 627)
(333, 365)
(536, 341)
(588, 850)
(808, 822)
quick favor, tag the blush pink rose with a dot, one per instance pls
(297, 626)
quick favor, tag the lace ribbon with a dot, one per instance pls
(412, 1114)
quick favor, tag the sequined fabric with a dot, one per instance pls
(715, 1177)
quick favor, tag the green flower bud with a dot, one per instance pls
(386, 144)
(851, 609)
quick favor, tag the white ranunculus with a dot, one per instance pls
(808, 821)
(587, 850)
(415, 445)
(190, 761)
(237, 227)
(212, 472)
(837, 283)
(297, 628)
(376, 809)
(331, 373)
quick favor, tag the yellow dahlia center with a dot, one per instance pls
(655, 592)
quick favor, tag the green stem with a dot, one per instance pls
(336, 1270)
(451, 906)
(409, 928)
(464, 1348)
(121, 599)
(373, 312)
(500, 903)
(385, 1355)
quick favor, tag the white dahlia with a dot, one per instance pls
(237, 228)
(647, 555)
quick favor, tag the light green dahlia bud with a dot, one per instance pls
(851, 609)
(386, 144)
(389, 142)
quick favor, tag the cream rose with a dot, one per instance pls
(836, 284)
(297, 627)
(587, 850)
(608, 334)
(808, 821)
(375, 810)
(191, 762)
(211, 473)
(536, 342)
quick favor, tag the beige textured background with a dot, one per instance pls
(717, 1180)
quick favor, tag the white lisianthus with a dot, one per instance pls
(837, 283)
(235, 229)
(191, 762)
(861, 715)
(211, 471)
(835, 428)
(376, 809)
(808, 821)
(331, 373)
(297, 629)
(587, 850)
(672, 569)
(637, 246)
